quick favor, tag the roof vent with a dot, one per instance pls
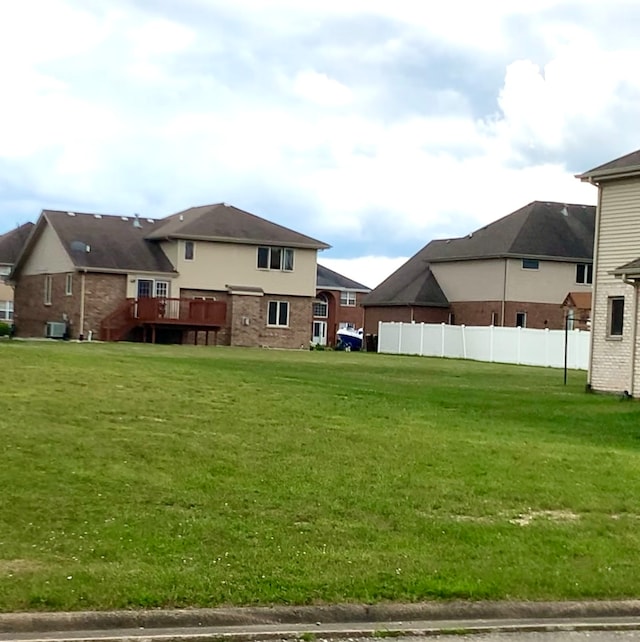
(181, 218)
(226, 205)
(71, 213)
(136, 221)
(97, 216)
(564, 211)
(149, 220)
(470, 235)
(124, 218)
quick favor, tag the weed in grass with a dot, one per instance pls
(308, 636)
(387, 633)
(174, 476)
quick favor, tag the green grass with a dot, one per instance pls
(147, 476)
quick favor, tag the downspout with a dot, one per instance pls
(634, 334)
(82, 278)
(504, 292)
(596, 240)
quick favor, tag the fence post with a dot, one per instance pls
(422, 339)
(491, 343)
(400, 337)
(464, 341)
(442, 340)
(546, 348)
(519, 346)
(379, 336)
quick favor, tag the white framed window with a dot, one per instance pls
(584, 273)
(278, 313)
(321, 307)
(521, 319)
(6, 310)
(615, 307)
(68, 285)
(161, 289)
(5, 270)
(275, 258)
(48, 286)
(189, 250)
(348, 298)
(530, 264)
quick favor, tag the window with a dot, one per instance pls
(275, 258)
(189, 248)
(530, 264)
(5, 270)
(348, 298)
(162, 289)
(68, 285)
(584, 273)
(6, 310)
(452, 318)
(278, 313)
(616, 315)
(47, 289)
(321, 306)
(521, 319)
(494, 318)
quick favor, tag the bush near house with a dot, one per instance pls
(154, 476)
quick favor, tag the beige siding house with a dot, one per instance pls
(615, 343)
(212, 272)
(516, 271)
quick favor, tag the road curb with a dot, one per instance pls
(313, 615)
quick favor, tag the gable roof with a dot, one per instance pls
(103, 242)
(580, 300)
(12, 242)
(222, 222)
(330, 280)
(627, 165)
(538, 230)
(630, 270)
(542, 230)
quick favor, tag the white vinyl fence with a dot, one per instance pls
(486, 343)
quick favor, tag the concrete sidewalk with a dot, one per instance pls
(331, 621)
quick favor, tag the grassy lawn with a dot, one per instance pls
(145, 476)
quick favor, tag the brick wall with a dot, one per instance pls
(298, 334)
(373, 315)
(479, 313)
(353, 314)
(31, 314)
(103, 293)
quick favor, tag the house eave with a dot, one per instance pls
(239, 241)
(404, 304)
(508, 255)
(609, 174)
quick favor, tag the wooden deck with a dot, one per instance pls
(153, 314)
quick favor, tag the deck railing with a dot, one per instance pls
(162, 311)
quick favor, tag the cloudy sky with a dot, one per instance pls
(372, 125)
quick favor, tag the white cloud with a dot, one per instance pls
(321, 89)
(368, 270)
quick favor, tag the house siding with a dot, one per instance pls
(618, 243)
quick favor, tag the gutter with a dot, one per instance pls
(634, 332)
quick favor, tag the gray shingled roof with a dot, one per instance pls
(539, 230)
(222, 222)
(411, 284)
(627, 163)
(330, 280)
(12, 242)
(631, 268)
(114, 242)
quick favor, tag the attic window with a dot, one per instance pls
(188, 250)
(530, 264)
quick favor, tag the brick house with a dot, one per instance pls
(615, 342)
(11, 244)
(338, 305)
(208, 273)
(516, 271)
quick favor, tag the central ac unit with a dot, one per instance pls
(56, 330)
